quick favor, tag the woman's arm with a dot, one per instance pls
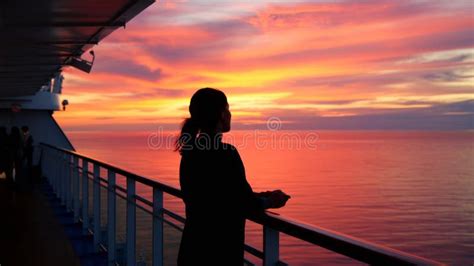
(257, 202)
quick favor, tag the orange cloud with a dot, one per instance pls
(279, 58)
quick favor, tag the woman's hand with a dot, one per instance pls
(277, 199)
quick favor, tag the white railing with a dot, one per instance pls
(71, 182)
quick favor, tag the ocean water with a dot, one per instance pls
(409, 190)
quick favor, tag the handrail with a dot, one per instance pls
(152, 183)
(340, 243)
(353, 247)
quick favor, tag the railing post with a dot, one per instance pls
(68, 175)
(97, 230)
(157, 227)
(271, 246)
(111, 216)
(85, 196)
(65, 179)
(56, 174)
(60, 178)
(52, 172)
(131, 222)
(75, 180)
(48, 158)
(44, 164)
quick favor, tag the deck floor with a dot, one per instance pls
(30, 234)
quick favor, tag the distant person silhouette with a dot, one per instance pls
(3, 149)
(15, 154)
(27, 150)
(216, 193)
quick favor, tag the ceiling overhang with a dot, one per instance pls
(39, 37)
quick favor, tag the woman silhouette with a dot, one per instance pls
(3, 149)
(216, 193)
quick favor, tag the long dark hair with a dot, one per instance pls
(206, 107)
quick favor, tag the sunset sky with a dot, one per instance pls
(312, 64)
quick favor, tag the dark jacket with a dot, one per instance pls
(218, 199)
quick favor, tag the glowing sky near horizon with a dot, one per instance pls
(302, 61)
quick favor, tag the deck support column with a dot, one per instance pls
(85, 196)
(57, 176)
(96, 206)
(111, 218)
(68, 177)
(157, 227)
(60, 179)
(66, 180)
(54, 173)
(271, 246)
(75, 188)
(131, 221)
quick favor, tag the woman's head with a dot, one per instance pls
(210, 114)
(209, 110)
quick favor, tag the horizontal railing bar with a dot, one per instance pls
(103, 180)
(163, 187)
(171, 214)
(145, 201)
(105, 186)
(124, 196)
(247, 262)
(89, 173)
(175, 216)
(177, 227)
(168, 212)
(136, 204)
(100, 183)
(119, 188)
(119, 193)
(352, 247)
(349, 246)
(255, 252)
(259, 254)
(81, 171)
(144, 209)
(165, 211)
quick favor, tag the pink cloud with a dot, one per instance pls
(318, 52)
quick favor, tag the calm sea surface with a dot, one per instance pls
(412, 191)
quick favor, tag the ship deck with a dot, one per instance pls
(36, 230)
